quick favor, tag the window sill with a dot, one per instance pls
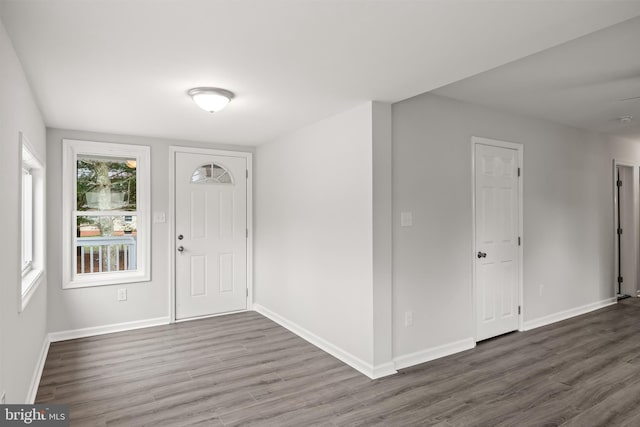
(30, 283)
(106, 280)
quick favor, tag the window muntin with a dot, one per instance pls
(108, 242)
(211, 173)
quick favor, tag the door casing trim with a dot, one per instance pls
(634, 212)
(173, 150)
(475, 140)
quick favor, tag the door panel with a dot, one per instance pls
(198, 278)
(496, 216)
(226, 273)
(211, 217)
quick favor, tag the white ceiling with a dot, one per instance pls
(124, 66)
(584, 83)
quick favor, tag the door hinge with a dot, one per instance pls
(247, 173)
(247, 291)
(518, 171)
(619, 183)
(519, 310)
(619, 279)
(246, 233)
(519, 241)
(619, 230)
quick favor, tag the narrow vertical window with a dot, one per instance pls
(27, 220)
(32, 209)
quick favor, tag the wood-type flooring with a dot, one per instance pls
(245, 370)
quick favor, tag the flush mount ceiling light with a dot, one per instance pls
(210, 99)
(625, 119)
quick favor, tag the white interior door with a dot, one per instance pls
(211, 234)
(497, 268)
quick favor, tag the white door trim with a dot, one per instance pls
(475, 140)
(173, 150)
(636, 219)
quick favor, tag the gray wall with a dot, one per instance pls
(71, 309)
(21, 334)
(568, 243)
(313, 234)
(382, 236)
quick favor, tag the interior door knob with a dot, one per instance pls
(482, 255)
(180, 237)
(180, 249)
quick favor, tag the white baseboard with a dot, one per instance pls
(384, 370)
(37, 374)
(433, 353)
(81, 333)
(367, 369)
(566, 314)
(208, 316)
(107, 329)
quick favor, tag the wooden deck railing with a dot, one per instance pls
(106, 254)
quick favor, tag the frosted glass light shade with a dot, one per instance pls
(210, 99)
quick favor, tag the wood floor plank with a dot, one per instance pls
(244, 370)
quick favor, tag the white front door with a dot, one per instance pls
(211, 234)
(497, 266)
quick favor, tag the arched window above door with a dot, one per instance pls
(211, 173)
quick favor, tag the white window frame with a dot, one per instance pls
(32, 234)
(141, 153)
(27, 218)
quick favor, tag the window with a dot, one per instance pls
(27, 219)
(32, 226)
(106, 207)
(211, 173)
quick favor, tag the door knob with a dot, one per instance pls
(180, 237)
(180, 249)
(482, 255)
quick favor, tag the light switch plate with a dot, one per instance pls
(159, 217)
(406, 219)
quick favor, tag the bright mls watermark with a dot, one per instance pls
(34, 415)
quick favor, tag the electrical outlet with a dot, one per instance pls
(3, 398)
(122, 294)
(408, 318)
